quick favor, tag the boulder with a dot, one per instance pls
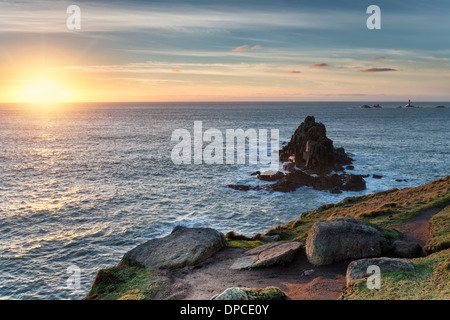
(183, 247)
(358, 269)
(234, 293)
(339, 239)
(267, 254)
(407, 249)
(347, 200)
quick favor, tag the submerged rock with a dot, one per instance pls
(354, 182)
(183, 247)
(339, 239)
(270, 175)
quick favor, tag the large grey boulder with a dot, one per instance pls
(358, 269)
(339, 239)
(183, 247)
(267, 254)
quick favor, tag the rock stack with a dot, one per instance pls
(310, 149)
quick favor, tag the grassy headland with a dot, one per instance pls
(384, 210)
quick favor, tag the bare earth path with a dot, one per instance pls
(214, 276)
(296, 279)
(417, 229)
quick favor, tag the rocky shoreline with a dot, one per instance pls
(338, 240)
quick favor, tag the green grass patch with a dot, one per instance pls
(126, 281)
(269, 293)
(244, 244)
(440, 231)
(430, 280)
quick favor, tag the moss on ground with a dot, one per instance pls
(440, 231)
(269, 293)
(126, 281)
(430, 280)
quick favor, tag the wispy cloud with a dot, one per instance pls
(319, 65)
(241, 48)
(295, 71)
(256, 47)
(33, 16)
(378, 70)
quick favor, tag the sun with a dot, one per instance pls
(44, 91)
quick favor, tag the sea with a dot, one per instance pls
(81, 184)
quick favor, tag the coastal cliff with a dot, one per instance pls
(408, 229)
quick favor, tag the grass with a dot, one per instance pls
(430, 280)
(440, 231)
(269, 293)
(126, 281)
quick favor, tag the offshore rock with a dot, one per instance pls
(311, 149)
(309, 160)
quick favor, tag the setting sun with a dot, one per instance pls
(44, 91)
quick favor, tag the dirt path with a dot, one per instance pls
(214, 276)
(417, 229)
(296, 279)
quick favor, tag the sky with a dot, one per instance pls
(224, 51)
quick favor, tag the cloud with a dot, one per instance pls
(295, 71)
(240, 49)
(176, 70)
(378, 70)
(256, 47)
(319, 65)
(378, 58)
